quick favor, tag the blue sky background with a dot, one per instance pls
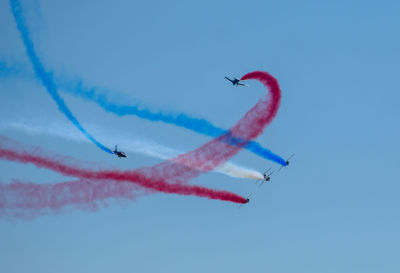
(335, 209)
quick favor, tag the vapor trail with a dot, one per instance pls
(101, 98)
(137, 177)
(198, 125)
(45, 76)
(171, 176)
(131, 144)
(23, 199)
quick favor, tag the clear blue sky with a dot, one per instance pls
(335, 209)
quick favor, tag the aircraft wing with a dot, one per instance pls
(228, 79)
(242, 84)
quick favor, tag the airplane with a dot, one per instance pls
(247, 200)
(235, 81)
(286, 162)
(119, 153)
(267, 176)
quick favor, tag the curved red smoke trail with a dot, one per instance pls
(218, 151)
(172, 176)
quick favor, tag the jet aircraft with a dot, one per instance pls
(247, 200)
(119, 153)
(267, 177)
(287, 162)
(235, 81)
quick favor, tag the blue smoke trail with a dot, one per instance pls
(46, 77)
(202, 126)
(76, 88)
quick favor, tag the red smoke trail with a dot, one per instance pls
(172, 176)
(135, 177)
(26, 200)
(217, 151)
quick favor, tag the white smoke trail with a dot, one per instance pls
(131, 144)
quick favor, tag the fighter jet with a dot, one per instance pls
(235, 81)
(119, 153)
